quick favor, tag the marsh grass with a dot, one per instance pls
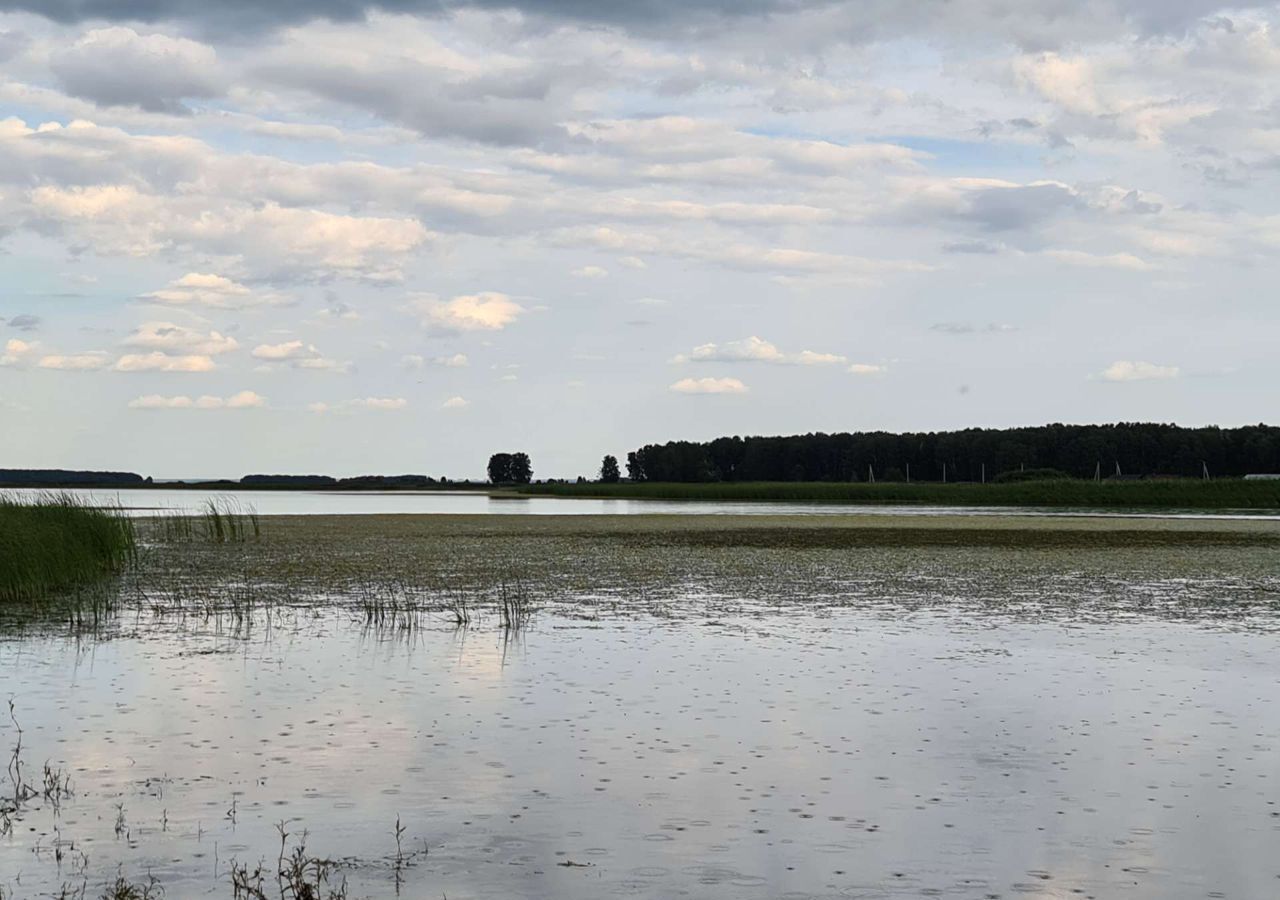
(515, 603)
(53, 543)
(1173, 493)
(226, 520)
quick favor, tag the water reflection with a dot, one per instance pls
(304, 503)
(844, 755)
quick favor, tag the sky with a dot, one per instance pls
(345, 237)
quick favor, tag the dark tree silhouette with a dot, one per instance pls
(500, 468)
(635, 465)
(609, 473)
(521, 468)
(1136, 449)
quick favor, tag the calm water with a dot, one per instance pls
(847, 755)
(294, 503)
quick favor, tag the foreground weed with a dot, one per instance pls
(298, 876)
(123, 889)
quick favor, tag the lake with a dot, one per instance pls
(305, 503)
(729, 708)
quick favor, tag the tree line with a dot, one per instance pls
(973, 454)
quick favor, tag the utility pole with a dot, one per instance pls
(984, 473)
(908, 473)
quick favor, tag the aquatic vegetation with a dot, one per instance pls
(298, 876)
(124, 889)
(515, 605)
(220, 520)
(51, 543)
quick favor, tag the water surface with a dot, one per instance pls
(144, 502)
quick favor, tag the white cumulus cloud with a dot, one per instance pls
(167, 337)
(78, 362)
(755, 349)
(241, 400)
(214, 291)
(709, 386)
(1126, 370)
(489, 311)
(163, 362)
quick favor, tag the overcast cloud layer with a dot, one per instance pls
(344, 237)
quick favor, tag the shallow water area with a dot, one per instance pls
(841, 754)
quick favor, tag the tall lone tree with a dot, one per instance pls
(500, 468)
(609, 472)
(521, 468)
(510, 468)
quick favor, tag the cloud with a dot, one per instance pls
(156, 401)
(490, 311)
(167, 337)
(1033, 23)
(24, 322)
(118, 67)
(241, 400)
(163, 362)
(323, 364)
(270, 240)
(1125, 370)
(380, 403)
(1123, 261)
(17, 352)
(709, 386)
(754, 349)
(339, 311)
(284, 351)
(455, 403)
(300, 355)
(79, 362)
(416, 361)
(866, 369)
(590, 272)
(214, 291)
(436, 91)
(11, 44)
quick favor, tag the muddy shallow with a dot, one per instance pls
(837, 752)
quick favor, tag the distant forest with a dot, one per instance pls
(1078, 451)
(69, 478)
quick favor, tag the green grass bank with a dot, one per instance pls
(1168, 494)
(51, 543)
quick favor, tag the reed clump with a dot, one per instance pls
(219, 520)
(53, 543)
